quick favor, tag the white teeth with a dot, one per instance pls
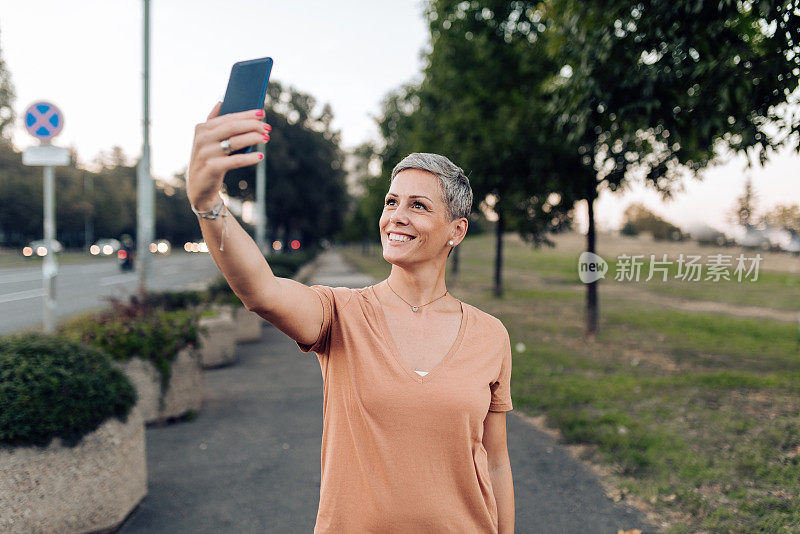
(397, 237)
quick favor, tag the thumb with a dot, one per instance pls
(215, 111)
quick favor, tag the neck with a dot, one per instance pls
(416, 290)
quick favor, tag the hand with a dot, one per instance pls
(209, 162)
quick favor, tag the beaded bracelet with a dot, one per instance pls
(213, 214)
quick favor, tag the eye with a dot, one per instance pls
(416, 203)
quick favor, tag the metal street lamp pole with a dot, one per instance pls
(261, 201)
(50, 265)
(145, 213)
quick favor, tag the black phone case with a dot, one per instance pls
(247, 88)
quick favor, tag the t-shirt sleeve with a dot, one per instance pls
(501, 387)
(322, 344)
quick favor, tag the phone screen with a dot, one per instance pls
(247, 88)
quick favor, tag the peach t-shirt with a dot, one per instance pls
(402, 452)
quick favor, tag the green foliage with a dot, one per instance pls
(175, 300)
(629, 229)
(657, 87)
(482, 103)
(744, 212)
(786, 216)
(639, 219)
(306, 191)
(107, 198)
(361, 221)
(6, 99)
(55, 387)
(290, 262)
(219, 291)
(138, 328)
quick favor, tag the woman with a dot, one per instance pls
(416, 382)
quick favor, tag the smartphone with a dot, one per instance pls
(247, 88)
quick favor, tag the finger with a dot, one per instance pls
(239, 115)
(225, 163)
(215, 111)
(228, 129)
(213, 150)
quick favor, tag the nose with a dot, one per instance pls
(399, 215)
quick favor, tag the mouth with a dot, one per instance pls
(399, 239)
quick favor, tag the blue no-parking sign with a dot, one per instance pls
(44, 120)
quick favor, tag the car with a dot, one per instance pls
(162, 246)
(708, 236)
(105, 247)
(755, 238)
(39, 248)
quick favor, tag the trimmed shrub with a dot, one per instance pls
(220, 292)
(55, 387)
(175, 300)
(285, 265)
(138, 328)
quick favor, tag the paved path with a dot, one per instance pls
(250, 462)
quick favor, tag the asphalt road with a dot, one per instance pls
(81, 287)
(250, 461)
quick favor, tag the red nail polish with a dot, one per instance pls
(266, 137)
(268, 127)
(260, 113)
(260, 156)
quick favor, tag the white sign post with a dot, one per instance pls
(44, 121)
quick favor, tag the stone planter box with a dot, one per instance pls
(90, 487)
(185, 391)
(218, 345)
(248, 325)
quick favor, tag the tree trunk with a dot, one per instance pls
(591, 288)
(498, 258)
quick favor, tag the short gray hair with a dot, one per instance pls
(453, 183)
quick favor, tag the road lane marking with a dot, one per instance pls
(118, 279)
(22, 295)
(20, 277)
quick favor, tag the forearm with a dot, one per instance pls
(503, 488)
(240, 261)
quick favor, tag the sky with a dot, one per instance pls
(86, 57)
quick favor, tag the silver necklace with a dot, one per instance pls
(413, 308)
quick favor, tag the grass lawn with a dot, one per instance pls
(695, 415)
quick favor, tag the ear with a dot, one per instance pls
(459, 230)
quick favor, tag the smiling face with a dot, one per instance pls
(414, 207)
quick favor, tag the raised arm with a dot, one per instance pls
(292, 307)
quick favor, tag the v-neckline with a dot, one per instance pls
(387, 334)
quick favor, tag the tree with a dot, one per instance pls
(175, 220)
(481, 103)
(21, 191)
(657, 89)
(306, 189)
(361, 220)
(744, 212)
(784, 216)
(639, 219)
(7, 97)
